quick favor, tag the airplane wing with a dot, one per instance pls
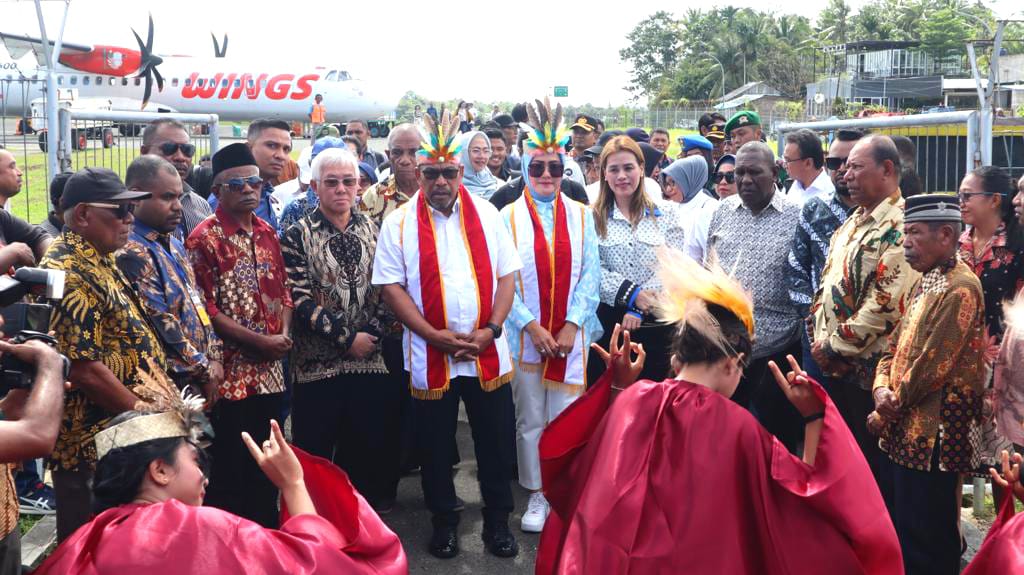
(18, 46)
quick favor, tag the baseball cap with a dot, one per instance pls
(97, 185)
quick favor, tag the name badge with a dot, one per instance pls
(200, 306)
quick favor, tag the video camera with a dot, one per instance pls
(27, 321)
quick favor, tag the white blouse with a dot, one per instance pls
(630, 254)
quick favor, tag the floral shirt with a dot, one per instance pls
(757, 246)
(296, 210)
(933, 364)
(100, 318)
(329, 271)
(864, 288)
(157, 265)
(381, 199)
(999, 269)
(242, 275)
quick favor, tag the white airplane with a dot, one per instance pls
(123, 79)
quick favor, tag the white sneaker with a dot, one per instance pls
(536, 513)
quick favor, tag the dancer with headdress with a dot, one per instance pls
(149, 487)
(673, 477)
(553, 319)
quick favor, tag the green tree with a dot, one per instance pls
(944, 33)
(653, 49)
(834, 21)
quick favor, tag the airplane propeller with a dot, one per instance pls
(147, 68)
(219, 51)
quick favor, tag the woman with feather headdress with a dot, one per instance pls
(552, 320)
(149, 487)
(673, 477)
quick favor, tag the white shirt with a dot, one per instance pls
(393, 255)
(821, 186)
(695, 217)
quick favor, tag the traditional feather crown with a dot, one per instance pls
(439, 139)
(169, 413)
(544, 132)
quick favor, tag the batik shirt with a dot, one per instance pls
(381, 199)
(329, 272)
(100, 318)
(863, 288)
(242, 275)
(755, 248)
(296, 210)
(820, 217)
(999, 269)
(157, 265)
(933, 365)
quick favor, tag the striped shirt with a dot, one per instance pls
(194, 209)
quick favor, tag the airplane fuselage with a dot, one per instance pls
(232, 89)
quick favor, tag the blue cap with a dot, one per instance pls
(325, 143)
(368, 170)
(694, 141)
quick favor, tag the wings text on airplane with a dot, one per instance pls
(233, 86)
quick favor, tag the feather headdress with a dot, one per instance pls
(438, 140)
(688, 288)
(544, 132)
(169, 413)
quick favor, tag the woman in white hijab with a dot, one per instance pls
(683, 182)
(476, 150)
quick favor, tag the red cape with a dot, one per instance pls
(675, 478)
(1003, 549)
(170, 538)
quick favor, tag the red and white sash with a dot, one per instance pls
(430, 368)
(546, 284)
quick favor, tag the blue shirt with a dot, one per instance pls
(296, 210)
(582, 309)
(265, 209)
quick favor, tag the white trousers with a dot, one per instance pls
(536, 406)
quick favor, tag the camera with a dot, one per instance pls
(27, 321)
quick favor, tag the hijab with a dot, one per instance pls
(652, 157)
(690, 174)
(482, 183)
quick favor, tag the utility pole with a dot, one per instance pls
(986, 94)
(52, 121)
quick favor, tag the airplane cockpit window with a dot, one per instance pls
(332, 75)
(343, 76)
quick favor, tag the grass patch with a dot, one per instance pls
(25, 522)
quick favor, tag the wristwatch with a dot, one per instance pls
(495, 329)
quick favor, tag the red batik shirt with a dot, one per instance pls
(242, 274)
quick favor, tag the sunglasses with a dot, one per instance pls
(237, 185)
(120, 211)
(449, 173)
(331, 183)
(729, 177)
(833, 164)
(966, 196)
(536, 169)
(169, 148)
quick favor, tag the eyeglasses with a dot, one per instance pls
(169, 148)
(236, 185)
(120, 211)
(966, 196)
(794, 160)
(449, 173)
(833, 164)
(536, 169)
(729, 177)
(331, 183)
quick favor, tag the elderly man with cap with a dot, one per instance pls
(100, 325)
(155, 262)
(240, 272)
(928, 391)
(584, 134)
(308, 202)
(446, 265)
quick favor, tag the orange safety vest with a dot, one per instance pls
(319, 114)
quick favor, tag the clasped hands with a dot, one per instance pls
(462, 346)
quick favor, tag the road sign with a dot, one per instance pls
(561, 91)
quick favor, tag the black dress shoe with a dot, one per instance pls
(500, 541)
(444, 543)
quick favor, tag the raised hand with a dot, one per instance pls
(797, 388)
(275, 458)
(1011, 474)
(618, 358)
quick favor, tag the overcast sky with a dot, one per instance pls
(470, 50)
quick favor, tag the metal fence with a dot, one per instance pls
(19, 134)
(948, 144)
(686, 117)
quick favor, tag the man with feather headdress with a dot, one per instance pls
(446, 263)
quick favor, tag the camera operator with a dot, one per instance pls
(29, 420)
